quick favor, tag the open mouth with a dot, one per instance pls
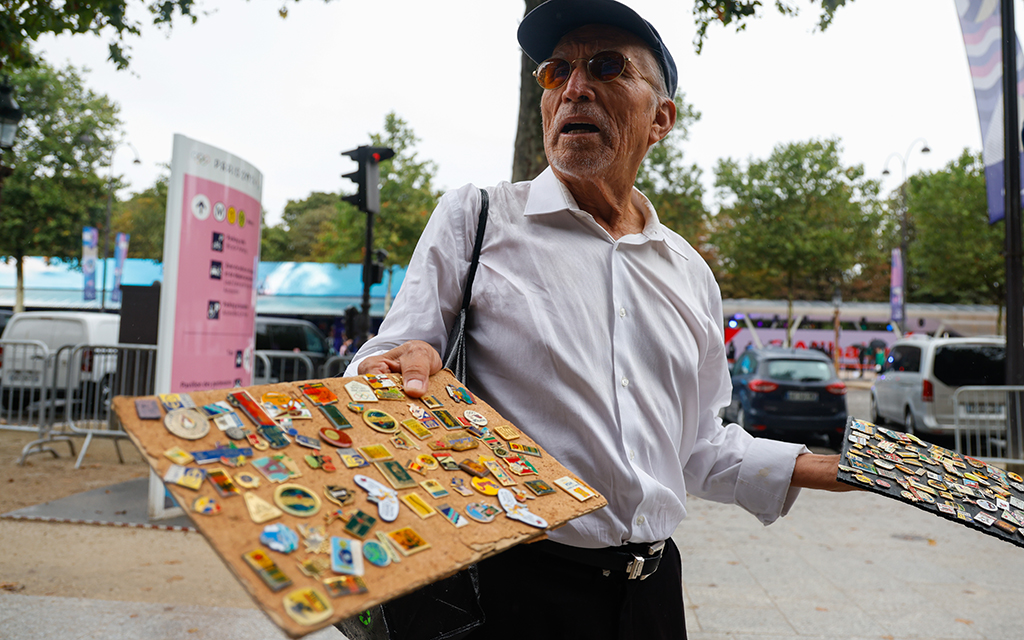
(579, 127)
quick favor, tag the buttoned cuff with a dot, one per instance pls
(766, 474)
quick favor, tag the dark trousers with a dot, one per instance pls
(528, 593)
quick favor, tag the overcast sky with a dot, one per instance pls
(289, 95)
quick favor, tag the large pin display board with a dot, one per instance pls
(378, 493)
(956, 487)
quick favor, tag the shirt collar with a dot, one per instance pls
(548, 195)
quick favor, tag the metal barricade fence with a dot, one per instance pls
(980, 421)
(25, 367)
(335, 366)
(281, 366)
(94, 374)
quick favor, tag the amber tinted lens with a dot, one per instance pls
(552, 73)
(606, 66)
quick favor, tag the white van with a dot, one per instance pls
(33, 341)
(916, 385)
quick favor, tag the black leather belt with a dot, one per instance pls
(635, 560)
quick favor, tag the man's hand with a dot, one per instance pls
(814, 471)
(415, 360)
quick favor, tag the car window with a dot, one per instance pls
(905, 358)
(286, 337)
(798, 370)
(314, 342)
(960, 364)
(746, 364)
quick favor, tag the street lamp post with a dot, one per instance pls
(106, 229)
(904, 226)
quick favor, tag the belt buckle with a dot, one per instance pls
(635, 567)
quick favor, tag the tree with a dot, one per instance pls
(956, 256)
(794, 224)
(67, 134)
(407, 198)
(674, 187)
(143, 216)
(529, 159)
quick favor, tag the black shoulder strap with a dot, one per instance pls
(467, 293)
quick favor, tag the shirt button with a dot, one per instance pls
(622, 312)
(632, 454)
(640, 520)
(625, 382)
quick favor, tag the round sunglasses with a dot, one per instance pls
(605, 66)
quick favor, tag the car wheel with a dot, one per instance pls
(909, 424)
(876, 418)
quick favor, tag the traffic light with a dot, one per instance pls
(376, 274)
(366, 176)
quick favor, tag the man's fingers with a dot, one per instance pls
(415, 360)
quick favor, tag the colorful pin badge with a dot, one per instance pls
(539, 487)
(307, 606)
(335, 437)
(360, 392)
(314, 566)
(207, 506)
(404, 442)
(147, 409)
(375, 554)
(529, 450)
(431, 402)
(408, 541)
(485, 486)
(359, 524)
(459, 394)
(318, 393)
(460, 487)
(376, 453)
(266, 569)
(482, 512)
(259, 509)
(418, 505)
(280, 538)
(452, 515)
(447, 462)
(396, 474)
(474, 468)
(447, 419)
(190, 424)
(506, 432)
(380, 421)
(519, 512)
(475, 417)
(297, 500)
(386, 499)
(434, 488)
(335, 416)
(188, 477)
(223, 483)
(416, 428)
(346, 556)
(339, 586)
(339, 495)
(499, 474)
(575, 488)
(179, 456)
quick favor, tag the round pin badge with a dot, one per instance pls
(485, 486)
(1015, 477)
(335, 438)
(883, 483)
(297, 500)
(375, 553)
(935, 484)
(206, 506)
(235, 433)
(247, 480)
(380, 421)
(429, 462)
(190, 424)
(926, 497)
(482, 512)
(475, 417)
(987, 506)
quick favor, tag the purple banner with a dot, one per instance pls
(896, 287)
(120, 254)
(982, 30)
(90, 240)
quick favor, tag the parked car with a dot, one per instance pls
(26, 367)
(784, 392)
(915, 388)
(297, 336)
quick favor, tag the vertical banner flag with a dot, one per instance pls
(120, 254)
(982, 31)
(90, 241)
(896, 287)
(211, 253)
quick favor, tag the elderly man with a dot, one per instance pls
(598, 331)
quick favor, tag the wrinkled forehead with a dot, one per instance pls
(592, 38)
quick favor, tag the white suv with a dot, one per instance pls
(915, 388)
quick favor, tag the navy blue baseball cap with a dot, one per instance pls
(542, 28)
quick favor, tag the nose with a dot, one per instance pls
(579, 86)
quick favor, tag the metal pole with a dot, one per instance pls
(106, 237)
(1011, 166)
(904, 246)
(367, 268)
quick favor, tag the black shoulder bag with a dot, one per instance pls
(450, 608)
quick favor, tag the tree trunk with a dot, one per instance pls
(19, 287)
(529, 159)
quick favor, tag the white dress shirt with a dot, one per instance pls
(609, 353)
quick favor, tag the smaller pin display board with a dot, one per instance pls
(956, 487)
(325, 498)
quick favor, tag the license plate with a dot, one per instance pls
(802, 396)
(25, 376)
(983, 409)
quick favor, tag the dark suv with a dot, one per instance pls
(787, 391)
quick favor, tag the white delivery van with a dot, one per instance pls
(36, 346)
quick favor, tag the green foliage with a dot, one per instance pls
(143, 216)
(407, 197)
(740, 12)
(956, 256)
(64, 140)
(794, 225)
(674, 187)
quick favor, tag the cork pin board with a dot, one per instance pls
(233, 532)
